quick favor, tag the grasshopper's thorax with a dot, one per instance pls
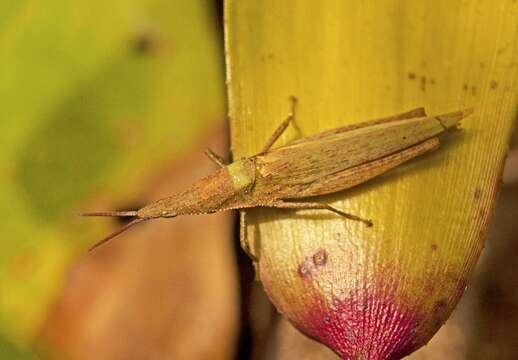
(242, 174)
(208, 194)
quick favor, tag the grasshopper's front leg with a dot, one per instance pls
(282, 127)
(218, 160)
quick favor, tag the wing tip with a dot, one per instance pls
(452, 120)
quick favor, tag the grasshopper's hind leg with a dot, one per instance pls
(282, 127)
(315, 205)
(243, 236)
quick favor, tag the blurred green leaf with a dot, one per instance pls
(94, 96)
(11, 352)
(117, 99)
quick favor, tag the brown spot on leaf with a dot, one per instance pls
(310, 264)
(146, 43)
(465, 87)
(411, 75)
(423, 83)
(493, 85)
(320, 258)
(434, 247)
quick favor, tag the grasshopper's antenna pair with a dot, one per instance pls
(114, 214)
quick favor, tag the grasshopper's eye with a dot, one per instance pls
(167, 214)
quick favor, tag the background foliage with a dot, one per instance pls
(94, 95)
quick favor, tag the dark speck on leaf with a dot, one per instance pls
(320, 258)
(145, 43)
(423, 83)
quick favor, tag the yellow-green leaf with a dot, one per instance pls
(381, 292)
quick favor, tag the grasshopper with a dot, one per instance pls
(283, 177)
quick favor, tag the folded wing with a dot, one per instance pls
(312, 158)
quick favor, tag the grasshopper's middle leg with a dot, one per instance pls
(282, 127)
(243, 236)
(315, 205)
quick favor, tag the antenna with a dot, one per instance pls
(110, 213)
(114, 214)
